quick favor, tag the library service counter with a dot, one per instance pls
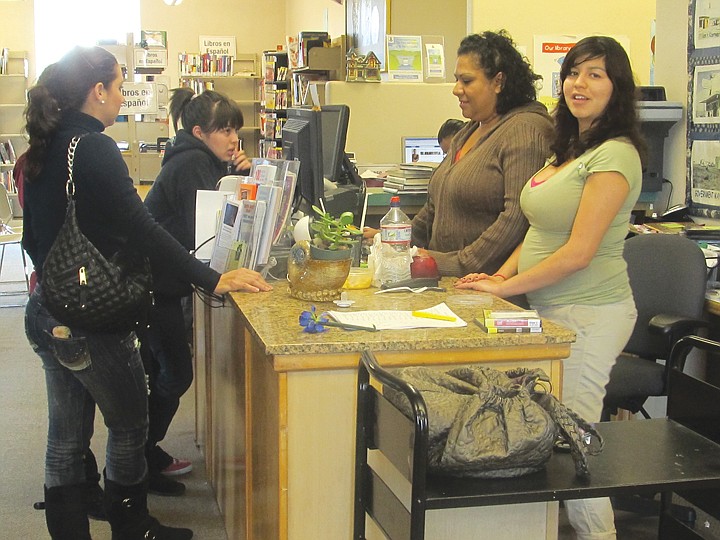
(276, 409)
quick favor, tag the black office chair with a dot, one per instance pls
(668, 277)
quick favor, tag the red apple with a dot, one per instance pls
(424, 267)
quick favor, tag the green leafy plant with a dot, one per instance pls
(333, 233)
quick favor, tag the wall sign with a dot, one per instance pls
(140, 98)
(218, 45)
(151, 58)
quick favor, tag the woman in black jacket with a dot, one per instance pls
(196, 158)
(82, 95)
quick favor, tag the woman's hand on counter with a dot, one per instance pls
(481, 282)
(242, 279)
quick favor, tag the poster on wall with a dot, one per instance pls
(706, 95)
(548, 55)
(705, 173)
(404, 58)
(706, 24)
(703, 103)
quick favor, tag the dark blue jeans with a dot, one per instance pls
(168, 363)
(81, 370)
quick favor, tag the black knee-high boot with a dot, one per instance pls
(93, 491)
(65, 512)
(127, 512)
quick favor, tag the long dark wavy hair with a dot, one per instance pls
(62, 86)
(620, 116)
(210, 110)
(495, 52)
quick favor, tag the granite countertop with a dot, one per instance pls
(273, 319)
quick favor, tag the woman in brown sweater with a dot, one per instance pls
(472, 219)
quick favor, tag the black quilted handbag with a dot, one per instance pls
(492, 424)
(82, 289)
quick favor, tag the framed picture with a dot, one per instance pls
(154, 38)
(366, 24)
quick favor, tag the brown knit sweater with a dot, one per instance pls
(472, 220)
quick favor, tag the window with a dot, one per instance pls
(60, 25)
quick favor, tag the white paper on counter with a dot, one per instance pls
(389, 319)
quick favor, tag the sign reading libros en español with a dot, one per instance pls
(218, 45)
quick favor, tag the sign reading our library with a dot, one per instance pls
(151, 58)
(218, 45)
(140, 98)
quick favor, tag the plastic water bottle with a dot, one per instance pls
(395, 237)
(395, 227)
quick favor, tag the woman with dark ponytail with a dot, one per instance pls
(204, 149)
(81, 95)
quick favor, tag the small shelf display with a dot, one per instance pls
(13, 97)
(274, 102)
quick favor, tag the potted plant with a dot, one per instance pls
(337, 235)
(317, 269)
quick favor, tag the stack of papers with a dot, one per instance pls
(388, 319)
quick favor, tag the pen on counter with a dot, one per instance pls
(426, 315)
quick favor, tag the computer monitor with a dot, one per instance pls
(302, 140)
(421, 149)
(335, 120)
(317, 139)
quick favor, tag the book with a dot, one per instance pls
(247, 191)
(512, 322)
(508, 329)
(508, 314)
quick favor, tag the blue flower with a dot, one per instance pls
(312, 321)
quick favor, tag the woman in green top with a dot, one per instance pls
(570, 264)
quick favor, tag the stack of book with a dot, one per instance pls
(409, 178)
(501, 322)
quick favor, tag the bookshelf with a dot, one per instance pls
(323, 64)
(241, 84)
(140, 133)
(13, 96)
(275, 87)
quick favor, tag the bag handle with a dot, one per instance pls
(70, 184)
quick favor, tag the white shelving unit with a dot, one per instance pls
(13, 98)
(143, 166)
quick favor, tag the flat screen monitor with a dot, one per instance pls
(302, 140)
(335, 120)
(420, 149)
(317, 139)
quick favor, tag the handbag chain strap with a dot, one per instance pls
(70, 185)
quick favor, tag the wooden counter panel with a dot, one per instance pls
(301, 362)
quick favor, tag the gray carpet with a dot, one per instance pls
(23, 425)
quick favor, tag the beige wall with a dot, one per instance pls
(191, 19)
(17, 31)
(526, 18)
(671, 72)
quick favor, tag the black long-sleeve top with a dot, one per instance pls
(188, 165)
(109, 210)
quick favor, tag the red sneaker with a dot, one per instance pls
(178, 467)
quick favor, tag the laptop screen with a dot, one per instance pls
(420, 149)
